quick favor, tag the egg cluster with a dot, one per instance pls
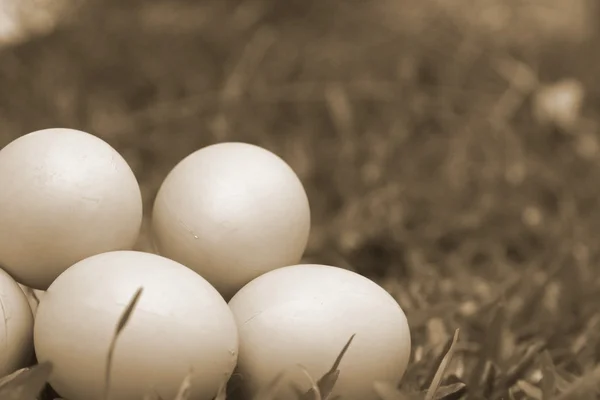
(223, 292)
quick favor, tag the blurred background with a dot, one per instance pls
(445, 146)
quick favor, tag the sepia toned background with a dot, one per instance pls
(446, 147)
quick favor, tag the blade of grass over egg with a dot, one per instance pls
(121, 324)
(35, 296)
(26, 384)
(222, 392)
(128, 311)
(185, 388)
(8, 378)
(314, 393)
(439, 375)
(327, 382)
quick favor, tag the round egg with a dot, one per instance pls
(305, 314)
(66, 195)
(231, 212)
(16, 326)
(180, 324)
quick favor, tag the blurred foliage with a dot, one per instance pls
(399, 132)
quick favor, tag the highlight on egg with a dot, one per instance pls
(16, 326)
(180, 325)
(66, 195)
(305, 314)
(231, 212)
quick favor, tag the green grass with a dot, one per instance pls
(426, 169)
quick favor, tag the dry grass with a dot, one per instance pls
(425, 166)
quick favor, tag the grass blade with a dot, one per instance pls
(548, 382)
(123, 320)
(453, 391)
(327, 382)
(314, 390)
(128, 311)
(222, 392)
(587, 384)
(439, 375)
(487, 380)
(516, 371)
(26, 384)
(185, 389)
(493, 345)
(8, 378)
(532, 392)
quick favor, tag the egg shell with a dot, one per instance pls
(66, 195)
(180, 324)
(16, 326)
(231, 212)
(305, 314)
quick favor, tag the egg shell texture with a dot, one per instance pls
(180, 323)
(16, 326)
(231, 212)
(66, 195)
(305, 314)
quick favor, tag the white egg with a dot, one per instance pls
(305, 314)
(231, 212)
(180, 324)
(66, 195)
(16, 326)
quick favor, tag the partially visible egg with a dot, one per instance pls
(305, 314)
(231, 212)
(180, 324)
(66, 195)
(16, 326)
